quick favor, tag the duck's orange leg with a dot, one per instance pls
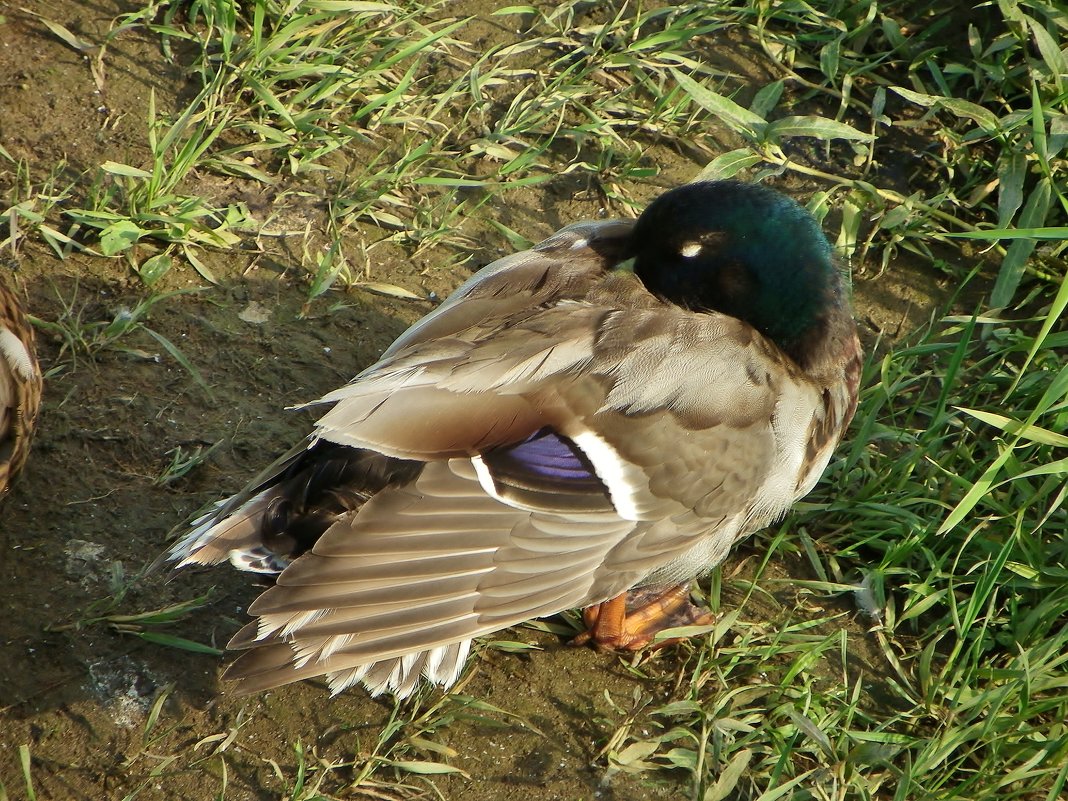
(630, 621)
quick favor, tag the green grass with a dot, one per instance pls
(942, 524)
(85, 337)
(387, 115)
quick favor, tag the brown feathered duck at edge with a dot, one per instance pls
(20, 387)
(590, 423)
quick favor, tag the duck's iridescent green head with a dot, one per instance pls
(741, 249)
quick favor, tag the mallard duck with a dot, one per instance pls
(590, 423)
(20, 387)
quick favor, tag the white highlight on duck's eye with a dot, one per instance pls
(690, 249)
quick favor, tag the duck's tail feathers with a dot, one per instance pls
(288, 507)
(272, 666)
(237, 537)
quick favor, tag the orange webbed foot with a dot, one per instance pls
(631, 621)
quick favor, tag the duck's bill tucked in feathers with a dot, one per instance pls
(551, 437)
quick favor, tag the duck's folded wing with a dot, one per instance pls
(641, 391)
(559, 473)
(562, 267)
(422, 567)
